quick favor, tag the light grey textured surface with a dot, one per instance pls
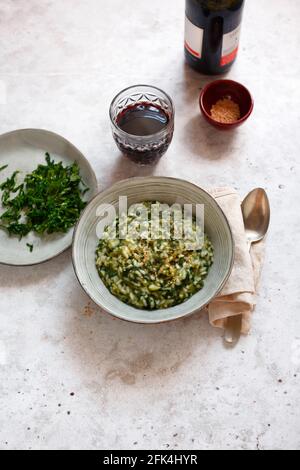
(170, 386)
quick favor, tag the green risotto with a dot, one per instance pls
(151, 273)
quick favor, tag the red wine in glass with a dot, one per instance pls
(144, 120)
(143, 124)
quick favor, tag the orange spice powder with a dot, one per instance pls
(226, 111)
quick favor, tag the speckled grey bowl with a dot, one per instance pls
(166, 190)
(23, 150)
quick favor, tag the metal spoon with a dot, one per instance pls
(256, 214)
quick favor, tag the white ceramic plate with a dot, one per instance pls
(23, 150)
(165, 190)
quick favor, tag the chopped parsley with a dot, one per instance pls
(30, 246)
(49, 200)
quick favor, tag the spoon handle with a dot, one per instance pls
(233, 330)
(234, 324)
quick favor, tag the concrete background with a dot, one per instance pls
(72, 377)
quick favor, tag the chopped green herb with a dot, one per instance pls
(30, 247)
(3, 167)
(49, 200)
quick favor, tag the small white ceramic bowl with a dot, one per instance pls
(165, 190)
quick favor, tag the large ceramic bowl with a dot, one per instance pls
(165, 190)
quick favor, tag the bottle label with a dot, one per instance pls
(193, 38)
(230, 46)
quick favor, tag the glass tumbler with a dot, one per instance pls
(134, 112)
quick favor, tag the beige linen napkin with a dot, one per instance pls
(239, 294)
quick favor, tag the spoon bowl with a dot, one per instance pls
(256, 214)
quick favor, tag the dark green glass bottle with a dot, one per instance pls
(212, 32)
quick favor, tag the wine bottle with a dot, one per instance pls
(212, 33)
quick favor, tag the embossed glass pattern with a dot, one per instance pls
(142, 149)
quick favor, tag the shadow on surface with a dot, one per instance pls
(205, 141)
(107, 350)
(202, 139)
(125, 168)
(12, 276)
(194, 82)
